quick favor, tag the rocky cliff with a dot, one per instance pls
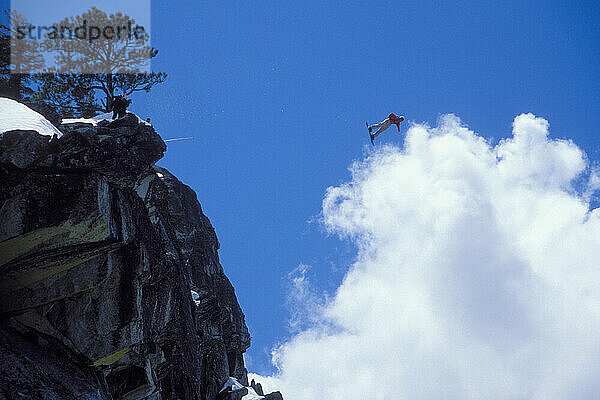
(110, 281)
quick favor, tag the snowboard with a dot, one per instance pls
(371, 136)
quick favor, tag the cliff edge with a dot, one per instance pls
(110, 281)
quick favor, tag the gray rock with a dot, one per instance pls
(128, 119)
(257, 388)
(99, 252)
(274, 396)
(22, 148)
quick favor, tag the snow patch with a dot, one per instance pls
(195, 297)
(252, 395)
(232, 383)
(100, 117)
(14, 115)
(235, 385)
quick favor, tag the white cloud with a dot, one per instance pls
(303, 303)
(593, 183)
(477, 276)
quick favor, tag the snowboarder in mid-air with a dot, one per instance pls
(383, 125)
(119, 106)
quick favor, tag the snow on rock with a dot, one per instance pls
(252, 395)
(195, 295)
(234, 385)
(100, 117)
(17, 116)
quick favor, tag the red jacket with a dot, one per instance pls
(396, 120)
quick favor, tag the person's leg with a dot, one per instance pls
(382, 127)
(375, 126)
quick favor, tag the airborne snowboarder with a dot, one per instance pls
(383, 125)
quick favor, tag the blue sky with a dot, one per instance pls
(276, 95)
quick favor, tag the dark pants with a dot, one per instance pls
(119, 112)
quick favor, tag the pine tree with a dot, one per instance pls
(20, 57)
(88, 72)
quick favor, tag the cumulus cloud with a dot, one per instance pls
(593, 183)
(477, 274)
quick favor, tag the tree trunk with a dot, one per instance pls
(14, 86)
(110, 94)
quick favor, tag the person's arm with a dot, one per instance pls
(400, 119)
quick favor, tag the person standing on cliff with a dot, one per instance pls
(392, 119)
(119, 106)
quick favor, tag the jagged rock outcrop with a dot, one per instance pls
(259, 390)
(100, 251)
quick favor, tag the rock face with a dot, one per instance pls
(100, 251)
